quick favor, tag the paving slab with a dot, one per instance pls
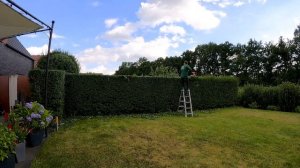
(31, 153)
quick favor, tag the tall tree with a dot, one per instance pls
(127, 68)
(296, 54)
(225, 53)
(254, 53)
(60, 60)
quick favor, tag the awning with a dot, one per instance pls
(13, 23)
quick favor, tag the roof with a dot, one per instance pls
(15, 44)
(15, 59)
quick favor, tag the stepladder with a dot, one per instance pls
(185, 103)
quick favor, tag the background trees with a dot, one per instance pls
(254, 62)
(60, 60)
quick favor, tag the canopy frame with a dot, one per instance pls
(46, 28)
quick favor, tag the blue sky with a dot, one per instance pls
(102, 34)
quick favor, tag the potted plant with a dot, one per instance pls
(18, 125)
(7, 147)
(35, 118)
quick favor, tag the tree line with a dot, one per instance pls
(254, 62)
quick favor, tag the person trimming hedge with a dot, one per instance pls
(184, 74)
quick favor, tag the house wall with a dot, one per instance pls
(4, 92)
(12, 62)
(23, 88)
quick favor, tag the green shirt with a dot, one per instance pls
(184, 70)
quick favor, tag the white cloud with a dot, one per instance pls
(121, 32)
(162, 17)
(262, 1)
(95, 3)
(98, 69)
(296, 21)
(152, 50)
(192, 13)
(129, 52)
(239, 3)
(224, 4)
(32, 35)
(56, 36)
(34, 50)
(97, 55)
(110, 22)
(173, 29)
(236, 3)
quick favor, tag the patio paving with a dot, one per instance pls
(31, 153)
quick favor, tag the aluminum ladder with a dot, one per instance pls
(185, 103)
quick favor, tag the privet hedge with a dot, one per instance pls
(90, 94)
(285, 97)
(56, 89)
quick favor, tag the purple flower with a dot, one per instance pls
(28, 105)
(49, 119)
(29, 118)
(33, 115)
(41, 112)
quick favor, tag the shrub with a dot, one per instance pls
(7, 142)
(270, 96)
(273, 108)
(253, 105)
(288, 97)
(285, 96)
(60, 60)
(297, 109)
(260, 95)
(89, 94)
(55, 94)
(18, 125)
(249, 95)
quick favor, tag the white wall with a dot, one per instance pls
(13, 89)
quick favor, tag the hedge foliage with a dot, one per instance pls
(289, 96)
(56, 89)
(90, 94)
(285, 96)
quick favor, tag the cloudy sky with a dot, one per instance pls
(102, 34)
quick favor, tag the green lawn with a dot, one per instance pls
(230, 137)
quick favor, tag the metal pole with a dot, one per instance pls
(47, 65)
